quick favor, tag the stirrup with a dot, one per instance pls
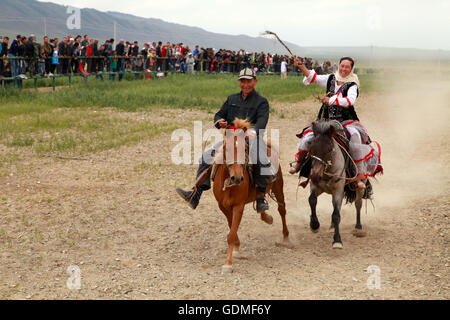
(262, 205)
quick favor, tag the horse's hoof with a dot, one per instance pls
(285, 244)
(226, 269)
(359, 233)
(314, 227)
(267, 218)
(337, 245)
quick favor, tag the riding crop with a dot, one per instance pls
(278, 38)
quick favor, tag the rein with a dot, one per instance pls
(326, 164)
(341, 176)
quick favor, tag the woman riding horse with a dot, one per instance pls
(342, 92)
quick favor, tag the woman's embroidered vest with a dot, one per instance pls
(335, 112)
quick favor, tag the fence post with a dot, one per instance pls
(70, 81)
(53, 82)
(35, 83)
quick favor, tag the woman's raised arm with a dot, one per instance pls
(298, 63)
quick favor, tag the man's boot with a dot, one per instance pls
(191, 197)
(261, 203)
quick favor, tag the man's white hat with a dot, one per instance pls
(247, 73)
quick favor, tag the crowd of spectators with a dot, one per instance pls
(81, 55)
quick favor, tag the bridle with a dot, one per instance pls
(326, 164)
(226, 165)
(246, 162)
(329, 163)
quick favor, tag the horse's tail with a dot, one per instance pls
(349, 194)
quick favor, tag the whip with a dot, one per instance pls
(278, 38)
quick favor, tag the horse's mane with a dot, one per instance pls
(326, 127)
(242, 124)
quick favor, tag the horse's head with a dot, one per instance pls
(236, 151)
(321, 149)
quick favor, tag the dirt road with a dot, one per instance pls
(116, 216)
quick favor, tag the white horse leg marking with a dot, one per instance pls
(227, 269)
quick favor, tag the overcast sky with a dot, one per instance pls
(390, 23)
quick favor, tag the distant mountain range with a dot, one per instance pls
(30, 16)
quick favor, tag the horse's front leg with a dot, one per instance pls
(314, 222)
(336, 218)
(232, 238)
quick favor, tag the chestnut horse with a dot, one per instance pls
(233, 190)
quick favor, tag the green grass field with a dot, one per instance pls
(84, 118)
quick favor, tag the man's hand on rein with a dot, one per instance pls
(222, 123)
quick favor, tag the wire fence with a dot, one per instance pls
(19, 68)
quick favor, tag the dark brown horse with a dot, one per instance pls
(328, 175)
(233, 190)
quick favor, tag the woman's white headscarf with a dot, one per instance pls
(350, 78)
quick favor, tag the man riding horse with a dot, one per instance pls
(342, 92)
(249, 105)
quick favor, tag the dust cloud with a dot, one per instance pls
(411, 123)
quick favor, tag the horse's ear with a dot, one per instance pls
(330, 131)
(314, 128)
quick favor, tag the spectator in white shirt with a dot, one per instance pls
(283, 69)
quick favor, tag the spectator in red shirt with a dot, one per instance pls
(89, 53)
(164, 54)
